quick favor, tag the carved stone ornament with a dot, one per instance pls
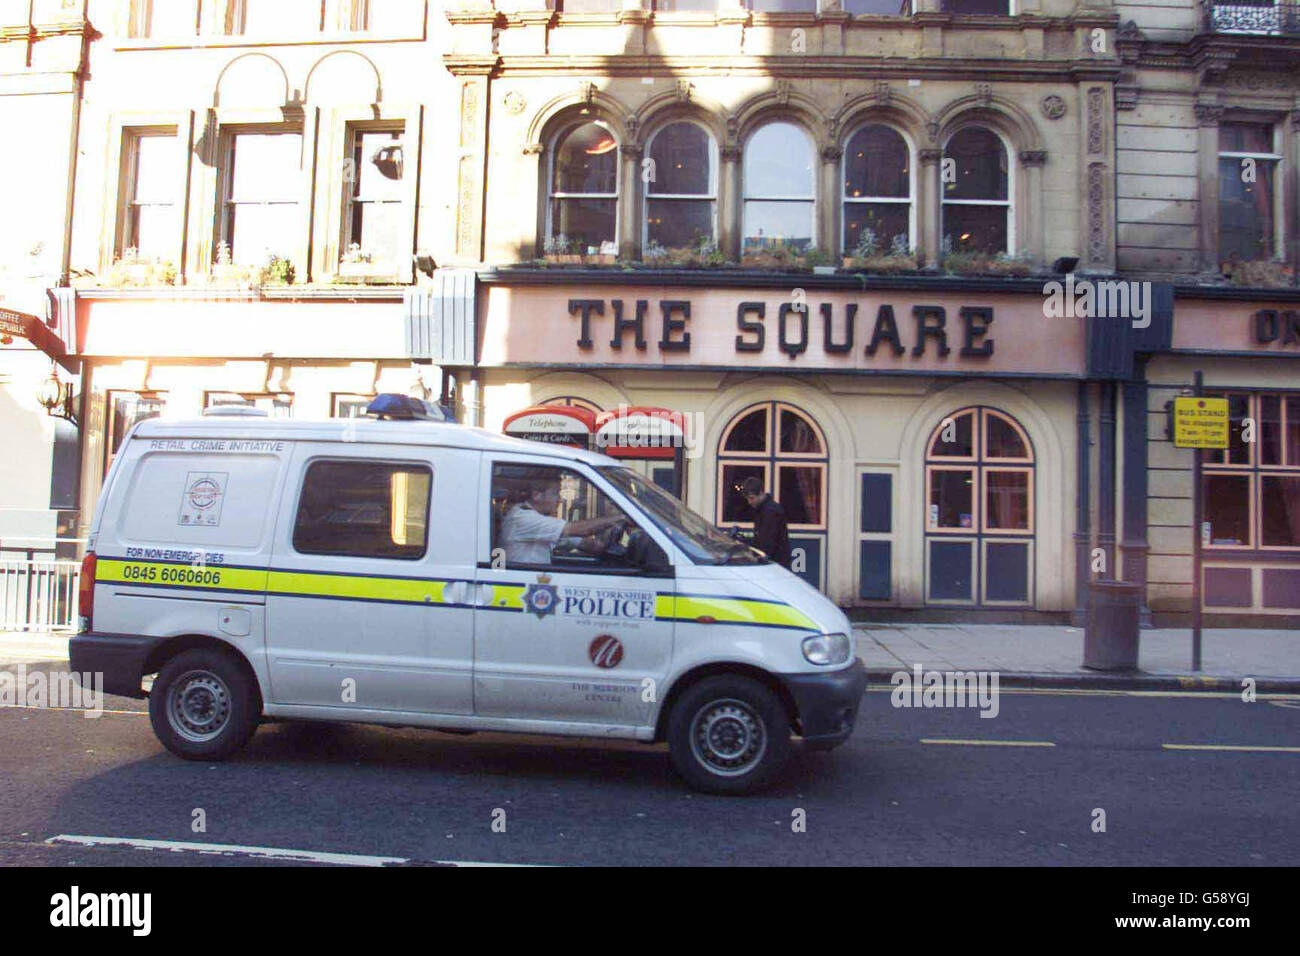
(633, 126)
(587, 91)
(1096, 214)
(1053, 106)
(882, 92)
(683, 91)
(1260, 81)
(783, 91)
(832, 154)
(1208, 114)
(930, 156)
(514, 102)
(729, 154)
(984, 91)
(1130, 33)
(1033, 157)
(1096, 120)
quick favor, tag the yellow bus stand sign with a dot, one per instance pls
(1201, 422)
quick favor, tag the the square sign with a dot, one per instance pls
(1201, 422)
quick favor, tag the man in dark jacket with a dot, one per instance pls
(770, 532)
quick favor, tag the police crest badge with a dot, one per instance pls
(542, 597)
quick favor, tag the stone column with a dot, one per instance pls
(1291, 231)
(927, 222)
(729, 201)
(828, 222)
(472, 166)
(1208, 116)
(1098, 219)
(1033, 239)
(629, 202)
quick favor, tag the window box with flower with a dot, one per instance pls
(358, 265)
(869, 255)
(135, 270)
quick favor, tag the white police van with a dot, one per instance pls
(401, 571)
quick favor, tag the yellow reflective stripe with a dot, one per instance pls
(738, 611)
(211, 577)
(508, 595)
(355, 586)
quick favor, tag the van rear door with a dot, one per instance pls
(184, 538)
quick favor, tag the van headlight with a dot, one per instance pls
(826, 648)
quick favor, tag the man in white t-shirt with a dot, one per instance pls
(529, 532)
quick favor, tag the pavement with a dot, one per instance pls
(1052, 656)
(1023, 655)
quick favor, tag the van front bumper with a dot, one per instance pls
(120, 658)
(827, 703)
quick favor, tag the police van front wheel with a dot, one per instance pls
(203, 705)
(728, 734)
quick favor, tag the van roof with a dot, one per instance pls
(359, 430)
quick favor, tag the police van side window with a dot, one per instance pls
(364, 509)
(547, 517)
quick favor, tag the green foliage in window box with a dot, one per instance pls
(869, 255)
(784, 256)
(970, 263)
(277, 271)
(133, 270)
(702, 253)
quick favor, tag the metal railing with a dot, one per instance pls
(38, 592)
(1269, 18)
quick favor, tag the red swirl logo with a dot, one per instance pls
(606, 651)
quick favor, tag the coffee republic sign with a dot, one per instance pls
(894, 330)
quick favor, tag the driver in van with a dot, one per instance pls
(529, 531)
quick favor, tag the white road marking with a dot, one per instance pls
(260, 852)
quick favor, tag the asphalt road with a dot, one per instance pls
(894, 795)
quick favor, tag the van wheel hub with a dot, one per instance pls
(198, 705)
(728, 737)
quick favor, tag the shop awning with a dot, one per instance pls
(640, 432)
(554, 424)
(21, 325)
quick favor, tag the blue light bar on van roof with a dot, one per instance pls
(396, 405)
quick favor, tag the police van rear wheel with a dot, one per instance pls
(729, 734)
(203, 706)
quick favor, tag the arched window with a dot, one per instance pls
(584, 188)
(779, 188)
(878, 191)
(979, 523)
(782, 447)
(977, 214)
(681, 195)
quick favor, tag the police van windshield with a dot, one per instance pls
(702, 542)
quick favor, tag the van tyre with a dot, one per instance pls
(729, 734)
(204, 705)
